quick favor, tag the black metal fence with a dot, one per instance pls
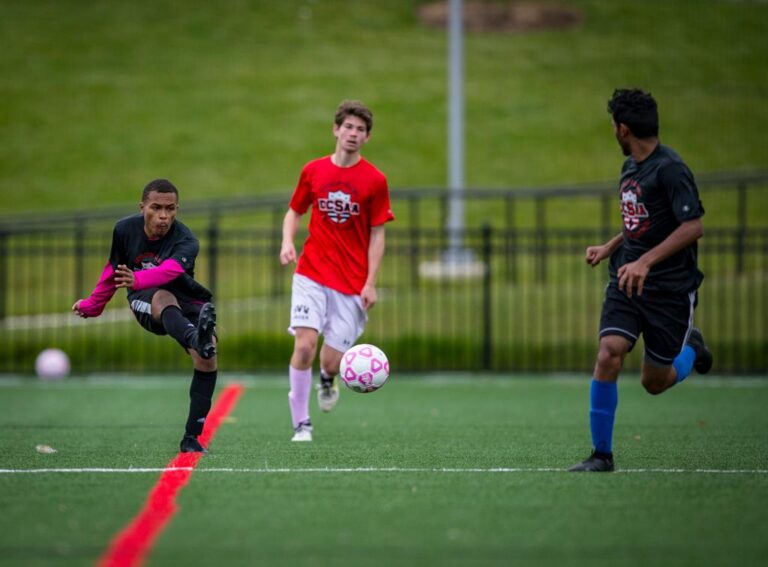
(526, 300)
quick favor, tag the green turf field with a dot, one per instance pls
(459, 470)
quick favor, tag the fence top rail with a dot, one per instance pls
(24, 222)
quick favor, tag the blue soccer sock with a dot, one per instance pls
(603, 399)
(683, 363)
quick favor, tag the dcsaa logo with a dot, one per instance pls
(633, 211)
(338, 206)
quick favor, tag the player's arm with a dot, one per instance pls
(375, 254)
(93, 305)
(166, 272)
(596, 254)
(634, 273)
(290, 227)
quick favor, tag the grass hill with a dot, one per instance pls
(230, 98)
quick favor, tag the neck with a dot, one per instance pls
(341, 158)
(642, 148)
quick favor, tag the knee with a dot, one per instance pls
(609, 359)
(304, 351)
(204, 364)
(160, 300)
(655, 381)
(653, 387)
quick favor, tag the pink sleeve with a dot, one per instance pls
(166, 272)
(94, 304)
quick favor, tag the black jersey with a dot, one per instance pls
(657, 195)
(132, 247)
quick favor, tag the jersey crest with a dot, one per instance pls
(147, 261)
(338, 206)
(633, 210)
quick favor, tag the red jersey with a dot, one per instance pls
(346, 202)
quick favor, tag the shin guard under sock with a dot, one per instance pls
(200, 396)
(603, 399)
(178, 326)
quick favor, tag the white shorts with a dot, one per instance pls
(339, 317)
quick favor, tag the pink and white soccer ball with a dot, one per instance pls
(364, 368)
(52, 363)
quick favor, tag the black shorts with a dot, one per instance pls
(141, 306)
(663, 318)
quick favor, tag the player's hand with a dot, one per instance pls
(124, 276)
(287, 253)
(76, 309)
(368, 296)
(633, 275)
(596, 254)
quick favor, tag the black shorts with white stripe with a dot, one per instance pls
(663, 318)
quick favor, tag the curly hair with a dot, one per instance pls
(354, 108)
(636, 109)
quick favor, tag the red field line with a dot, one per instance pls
(130, 547)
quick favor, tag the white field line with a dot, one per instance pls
(358, 470)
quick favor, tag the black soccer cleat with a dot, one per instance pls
(206, 328)
(703, 362)
(190, 444)
(597, 462)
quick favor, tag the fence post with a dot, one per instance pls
(741, 232)
(277, 237)
(606, 201)
(3, 272)
(413, 206)
(213, 249)
(541, 238)
(487, 360)
(511, 240)
(79, 250)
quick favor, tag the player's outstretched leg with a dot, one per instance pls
(206, 327)
(327, 391)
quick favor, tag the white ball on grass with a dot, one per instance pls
(52, 364)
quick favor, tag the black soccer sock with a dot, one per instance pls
(200, 396)
(325, 377)
(178, 326)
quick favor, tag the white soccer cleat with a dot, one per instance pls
(303, 432)
(327, 394)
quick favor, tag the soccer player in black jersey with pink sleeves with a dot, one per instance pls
(153, 258)
(653, 270)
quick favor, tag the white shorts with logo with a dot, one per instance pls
(339, 317)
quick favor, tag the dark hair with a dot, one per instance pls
(637, 110)
(161, 186)
(354, 108)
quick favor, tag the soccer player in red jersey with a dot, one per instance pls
(334, 285)
(153, 259)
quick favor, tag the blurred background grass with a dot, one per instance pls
(231, 98)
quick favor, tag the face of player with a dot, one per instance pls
(159, 212)
(622, 137)
(352, 135)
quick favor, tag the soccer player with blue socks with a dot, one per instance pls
(653, 272)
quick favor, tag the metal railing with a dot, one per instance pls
(528, 302)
